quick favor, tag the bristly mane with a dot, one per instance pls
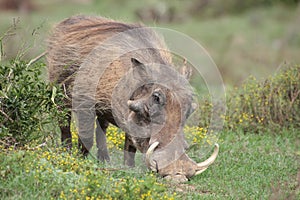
(74, 38)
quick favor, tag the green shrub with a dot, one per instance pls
(27, 103)
(271, 104)
(258, 106)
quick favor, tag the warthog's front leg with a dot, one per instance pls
(101, 127)
(86, 127)
(129, 152)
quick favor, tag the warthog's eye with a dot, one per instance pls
(156, 104)
(156, 97)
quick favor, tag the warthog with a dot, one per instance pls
(123, 74)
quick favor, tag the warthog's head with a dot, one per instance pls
(158, 111)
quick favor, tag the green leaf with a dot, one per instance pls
(54, 89)
(2, 94)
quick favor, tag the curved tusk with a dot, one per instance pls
(200, 171)
(201, 167)
(149, 162)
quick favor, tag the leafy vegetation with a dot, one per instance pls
(27, 104)
(266, 105)
(260, 106)
(56, 174)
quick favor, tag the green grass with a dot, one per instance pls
(249, 166)
(55, 174)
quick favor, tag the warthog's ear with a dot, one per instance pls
(135, 62)
(185, 70)
(139, 68)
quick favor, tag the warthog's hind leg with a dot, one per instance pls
(66, 136)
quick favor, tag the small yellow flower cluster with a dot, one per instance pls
(146, 188)
(115, 138)
(67, 176)
(74, 133)
(146, 195)
(63, 161)
(195, 134)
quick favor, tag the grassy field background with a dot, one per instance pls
(252, 164)
(255, 42)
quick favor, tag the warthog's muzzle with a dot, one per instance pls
(182, 168)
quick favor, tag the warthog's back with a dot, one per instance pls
(76, 37)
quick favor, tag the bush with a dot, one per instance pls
(258, 106)
(271, 104)
(27, 103)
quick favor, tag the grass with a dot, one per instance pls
(249, 166)
(55, 174)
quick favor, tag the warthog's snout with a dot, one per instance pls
(183, 168)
